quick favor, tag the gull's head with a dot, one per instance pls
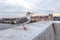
(29, 14)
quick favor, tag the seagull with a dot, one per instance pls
(25, 20)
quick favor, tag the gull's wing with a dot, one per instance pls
(22, 20)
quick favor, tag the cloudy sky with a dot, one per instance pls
(11, 7)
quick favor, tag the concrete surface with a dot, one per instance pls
(36, 31)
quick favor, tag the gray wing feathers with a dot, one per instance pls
(23, 20)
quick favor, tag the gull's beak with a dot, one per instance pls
(31, 13)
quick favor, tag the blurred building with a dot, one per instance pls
(34, 19)
(42, 18)
(50, 17)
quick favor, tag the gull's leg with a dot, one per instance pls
(24, 27)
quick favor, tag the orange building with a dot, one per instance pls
(42, 18)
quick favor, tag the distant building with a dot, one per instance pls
(57, 18)
(50, 16)
(42, 18)
(33, 19)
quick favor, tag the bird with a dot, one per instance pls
(25, 20)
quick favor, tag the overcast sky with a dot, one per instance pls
(35, 6)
